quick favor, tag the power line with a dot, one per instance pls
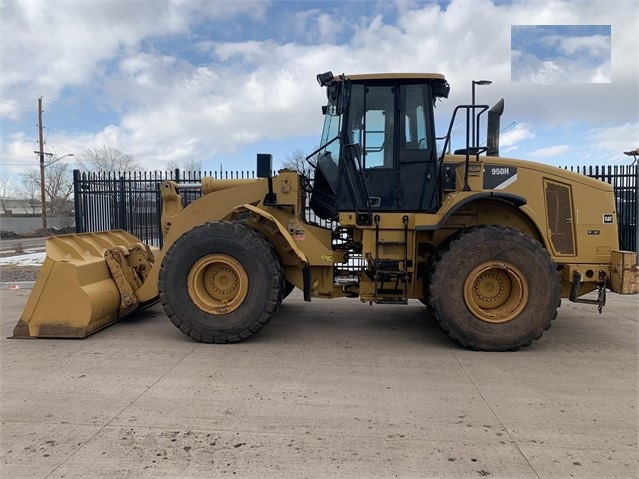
(19, 164)
(15, 104)
(59, 104)
(54, 102)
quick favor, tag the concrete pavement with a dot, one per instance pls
(329, 389)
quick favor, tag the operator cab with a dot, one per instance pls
(378, 148)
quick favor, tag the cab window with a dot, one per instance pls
(372, 122)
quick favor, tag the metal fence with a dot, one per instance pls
(132, 201)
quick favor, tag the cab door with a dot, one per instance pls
(372, 121)
(393, 126)
(417, 155)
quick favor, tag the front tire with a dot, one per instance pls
(493, 288)
(221, 282)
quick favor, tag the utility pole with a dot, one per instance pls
(43, 199)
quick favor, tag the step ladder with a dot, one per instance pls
(391, 271)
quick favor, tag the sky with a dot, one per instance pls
(220, 81)
(551, 54)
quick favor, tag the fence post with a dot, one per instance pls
(122, 205)
(636, 212)
(76, 201)
(158, 211)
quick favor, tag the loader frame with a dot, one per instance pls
(489, 244)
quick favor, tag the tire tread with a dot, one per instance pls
(450, 247)
(253, 242)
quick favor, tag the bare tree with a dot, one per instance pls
(190, 169)
(106, 158)
(30, 189)
(297, 161)
(188, 165)
(58, 188)
(7, 189)
(172, 165)
(193, 165)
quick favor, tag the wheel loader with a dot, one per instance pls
(488, 244)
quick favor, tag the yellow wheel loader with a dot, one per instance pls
(490, 245)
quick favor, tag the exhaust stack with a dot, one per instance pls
(492, 140)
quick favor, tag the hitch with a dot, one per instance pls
(601, 290)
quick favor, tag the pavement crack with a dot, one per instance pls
(115, 416)
(503, 426)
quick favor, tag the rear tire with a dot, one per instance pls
(493, 288)
(221, 282)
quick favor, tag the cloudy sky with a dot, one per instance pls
(219, 81)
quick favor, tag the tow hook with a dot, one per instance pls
(601, 290)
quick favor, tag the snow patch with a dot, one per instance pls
(30, 259)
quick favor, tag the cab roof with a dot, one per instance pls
(393, 76)
(440, 86)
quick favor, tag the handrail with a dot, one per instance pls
(475, 149)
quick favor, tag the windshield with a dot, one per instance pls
(329, 152)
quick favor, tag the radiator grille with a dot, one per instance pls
(560, 220)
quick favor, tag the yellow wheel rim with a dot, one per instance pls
(496, 291)
(218, 284)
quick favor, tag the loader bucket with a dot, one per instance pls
(76, 292)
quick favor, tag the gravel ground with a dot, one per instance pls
(13, 273)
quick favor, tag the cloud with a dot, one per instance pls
(52, 45)
(316, 26)
(594, 46)
(529, 69)
(554, 54)
(205, 80)
(613, 140)
(550, 151)
(510, 139)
